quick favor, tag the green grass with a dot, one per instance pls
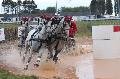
(10, 30)
(85, 27)
(10, 25)
(4, 74)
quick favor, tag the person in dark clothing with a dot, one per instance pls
(38, 21)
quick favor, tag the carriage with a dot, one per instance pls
(51, 34)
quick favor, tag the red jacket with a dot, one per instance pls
(24, 19)
(73, 29)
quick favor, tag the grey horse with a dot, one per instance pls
(52, 36)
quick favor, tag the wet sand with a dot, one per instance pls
(107, 69)
(65, 68)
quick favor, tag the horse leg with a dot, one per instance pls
(24, 55)
(21, 45)
(58, 48)
(55, 58)
(38, 58)
(73, 43)
(29, 60)
(57, 51)
(50, 54)
(27, 48)
(39, 55)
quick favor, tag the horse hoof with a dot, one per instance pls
(36, 65)
(26, 68)
(55, 59)
(73, 48)
(38, 60)
(46, 60)
(49, 57)
(19, 45)
(55, 62)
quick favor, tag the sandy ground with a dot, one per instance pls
(65, 68)
(107, 69)
(77, 64)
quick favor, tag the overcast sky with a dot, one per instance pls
(43, 4)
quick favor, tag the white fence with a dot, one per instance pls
(2, 35)
(19, 31)
(106, 41)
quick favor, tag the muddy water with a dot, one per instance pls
(10, 57)
(85, 67)
(65, 68)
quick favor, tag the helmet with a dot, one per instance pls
(42, 17)
(56, 14)
(70, 18)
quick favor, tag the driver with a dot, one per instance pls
(72, 24)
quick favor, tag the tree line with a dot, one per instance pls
(17, 7)
(101, 7)
(68, 9)
(97, 7)
(75, 9)
(22, 7)
(117, 7)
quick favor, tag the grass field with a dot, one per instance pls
(85, 27)
(9, 25)
(4, 74)
(10, 30)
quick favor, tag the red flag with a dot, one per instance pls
(116, 28)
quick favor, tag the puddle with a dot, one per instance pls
(11, 58)
(69, 67)
(84, 69)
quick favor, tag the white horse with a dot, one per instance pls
(53, 36)
(26, 28)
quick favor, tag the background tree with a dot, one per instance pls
(36, 11)
(75, 9)
(101, 7)
(116, 9)
(33, 6)
(13, 7)
(51, 10)
(25, 6)
(4, 4)
(7, 5)
(19, 4)
(93, 7)
(109, 7)
(29, 6)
